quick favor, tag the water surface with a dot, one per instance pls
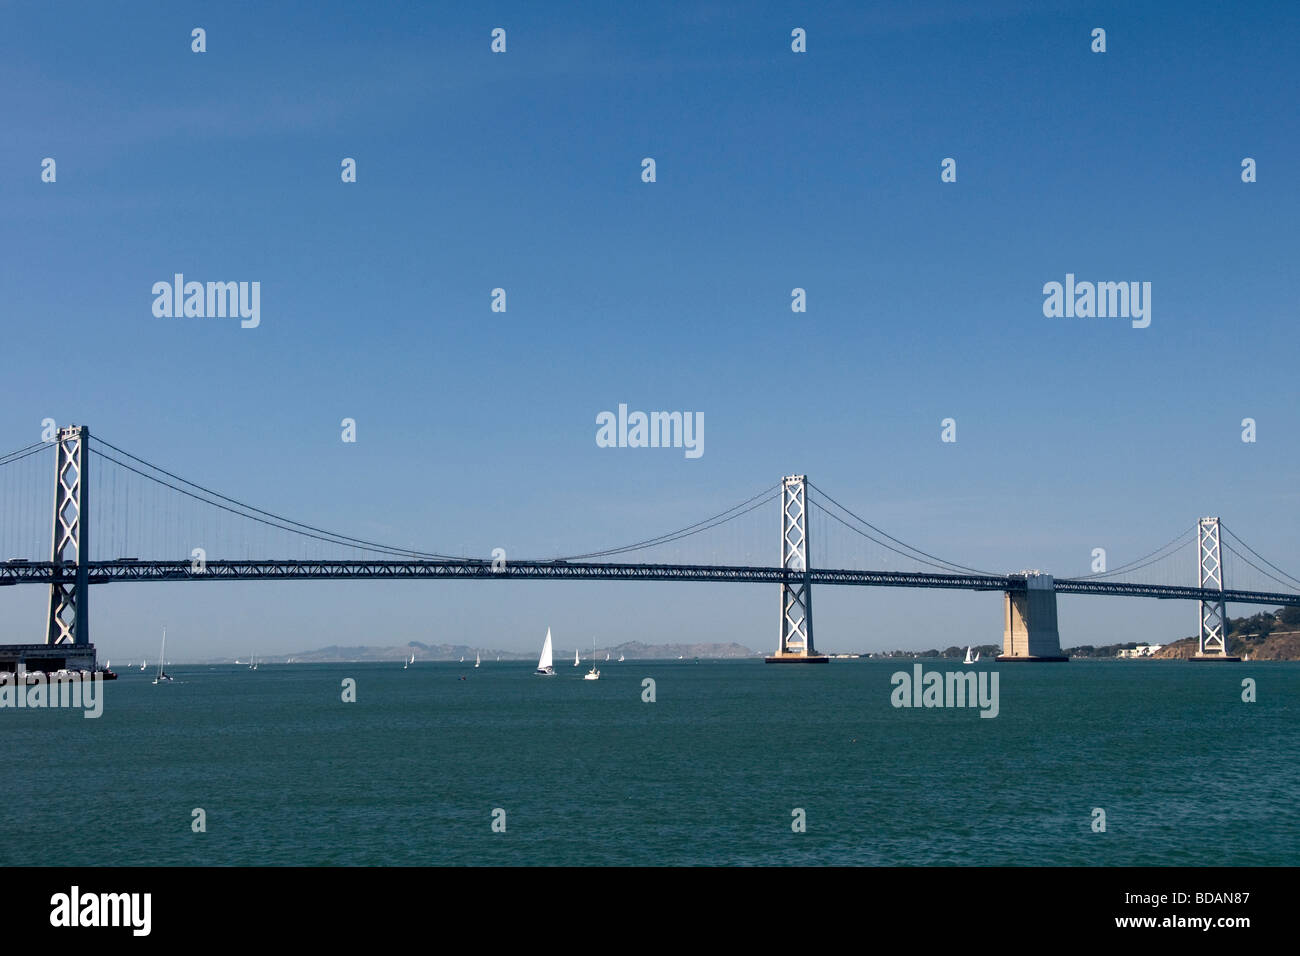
(709, 773)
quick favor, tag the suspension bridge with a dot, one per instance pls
(163, 527)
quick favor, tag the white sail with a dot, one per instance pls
(620, 657)
(607, 655)
(968, 660)
(545, 660)
(477, 660)
(162, 658)
(575, 659)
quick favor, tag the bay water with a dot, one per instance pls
(714, 771)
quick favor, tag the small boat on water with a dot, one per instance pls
(575, 659)
(476, 659)
(969, 659)
(410, 662)
(593, 674)
(544, 665)
(620, 657)
(162, 656)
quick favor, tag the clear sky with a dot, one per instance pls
(775, 170)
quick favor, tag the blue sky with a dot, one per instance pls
(774, 170)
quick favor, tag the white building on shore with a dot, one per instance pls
(1142, 650)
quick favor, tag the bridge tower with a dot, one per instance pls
(795, 644)
(1029, 620)
(69, 617)
(1213, 644)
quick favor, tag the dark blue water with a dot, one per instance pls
(709, 773)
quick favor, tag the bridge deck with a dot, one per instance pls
(105, 572)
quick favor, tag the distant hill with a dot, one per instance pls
(635, 650)
(632, 650)
(1266, 636)
(364, 652)
(1277, 646)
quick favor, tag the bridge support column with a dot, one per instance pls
(1213, 633)
(1029, 621)
(69, 616)
(795, 644)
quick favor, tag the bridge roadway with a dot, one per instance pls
(105, 572)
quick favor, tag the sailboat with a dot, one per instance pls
(592, 674)
(143, 664)
(477, 659)
(977, 657)
(462, 658)
(620, 657)
(410, 662)
(607, 657)
(544, 662)
(162, 656)
(968, 659)
(575, 658)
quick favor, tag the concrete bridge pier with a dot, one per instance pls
(1029, 621)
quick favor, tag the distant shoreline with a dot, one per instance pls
(453, 653)
(1248, 637)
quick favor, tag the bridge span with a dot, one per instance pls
(1030, 630)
